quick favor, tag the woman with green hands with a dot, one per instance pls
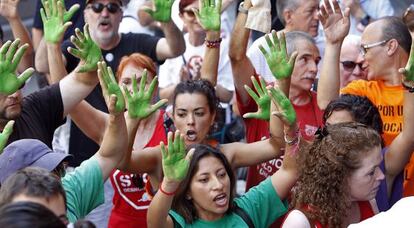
(198, 188)
(144, 122)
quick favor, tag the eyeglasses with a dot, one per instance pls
(98, 7)
(350, 65)
(364, 48)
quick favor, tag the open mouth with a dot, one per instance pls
(191, 135)
(104, 24)
(221, 200)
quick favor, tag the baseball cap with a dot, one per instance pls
(28, 152)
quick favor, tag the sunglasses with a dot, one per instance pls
(98, 7)
(350, 65)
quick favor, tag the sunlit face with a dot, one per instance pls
(192, 117)
(340, 116)
(305, 17)
(375, 57)
(351, 64)
(306, 66)
(56, 204)
(210, 189)
(103, 26)
(189, 19)
(364, 182)
(10, 106)
(131, 70)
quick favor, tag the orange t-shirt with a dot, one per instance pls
(389, 101)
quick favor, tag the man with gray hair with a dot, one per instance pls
(303, 99)
(350, 68)
(295, 15)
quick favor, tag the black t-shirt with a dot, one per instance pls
(42, 113)
(77, 18)
(79, 144)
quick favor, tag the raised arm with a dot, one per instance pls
(175, 165)
(54, 29)
(8, 9)
(173, 44)
(400, 150)
(241, 154)
(240, 64)
(80, 83)
(336, 27)
(209, 17)
(10, 56)
(41, 55)
(284, 179)
(5, 134)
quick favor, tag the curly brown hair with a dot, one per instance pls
(325, 166)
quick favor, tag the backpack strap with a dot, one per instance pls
(246, 218)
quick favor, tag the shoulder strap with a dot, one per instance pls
(246, 218)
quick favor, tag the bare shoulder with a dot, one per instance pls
(296, 219)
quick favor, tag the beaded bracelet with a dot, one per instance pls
(213, 43)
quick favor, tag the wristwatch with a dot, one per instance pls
(242, 9)
(365, 21)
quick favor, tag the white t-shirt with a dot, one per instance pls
(169, 72)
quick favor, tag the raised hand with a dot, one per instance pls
(175, 162)
(286, 112)
(10, 56)
(8, 9)
(335, 25)
(4, 136)
(87, 50)
(52, 18)
(139, 102)
(110, 86)
(408, 71)
(277, 58)
(262, 100)
(162, 12)
(67, 15)
(209, 14)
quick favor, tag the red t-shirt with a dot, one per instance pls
(309, 118)
(130, 201)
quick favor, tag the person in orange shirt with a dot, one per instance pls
(385, 48)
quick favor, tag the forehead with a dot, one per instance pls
(304, 47)
(209, 164)
(307, 4)
(349, 52)
(132, 69)
(372, 33)
(190, 101)
(371, 158)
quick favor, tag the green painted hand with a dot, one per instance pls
(209, 14)
(162, 12)
(110, 86)
(262, 100)
(67, 15)
(286, 112)
(87, 50)
(139, 102)
(277, 58)
(408, 71)
(10, 56)
(52, 17)
(175, 162)
(4, 136)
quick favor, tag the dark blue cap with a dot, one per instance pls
(28, 152)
